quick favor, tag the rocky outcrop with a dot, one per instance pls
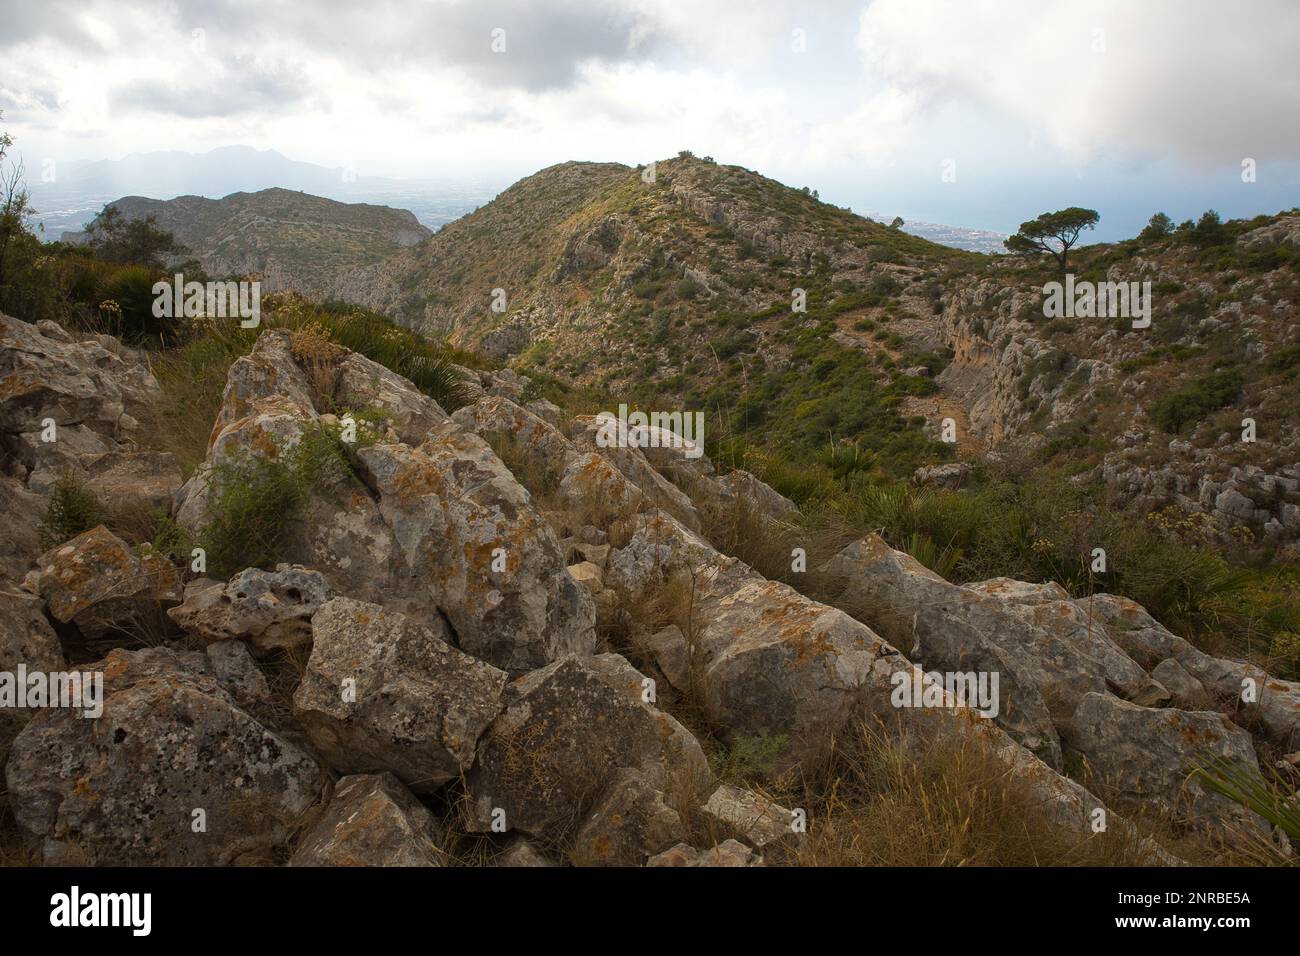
(174, 772)
(100, 583)
(268, 610)
(434, 622)
(440, 527)
(372, 820)
(73, 409)
(384, 693)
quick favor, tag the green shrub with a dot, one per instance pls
(131, 290)
(751, 760)
(254, 500)
(1173, 411)
(72, 510)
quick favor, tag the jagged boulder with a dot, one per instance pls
(173, 773)
(74, 406)
(28, 642)
(141, 481)
(95, 391)
(763, 823)
(1273, 704)
(456, 515)
(268, 610)
(1045, 651)
(21, 542)
(563, 735)
(885, 587)
(1185, 691)
(772, 661)
(741, 486)
(630, 823)
(673, 655)
(778, 663)
(234, 668)
(956, 638)
(100, 583)
(384, 692)
(361, 384)
(726, 853)
(1147, 755)
(607, 438)
(372, 820)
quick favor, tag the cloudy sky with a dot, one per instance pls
(1127, 107)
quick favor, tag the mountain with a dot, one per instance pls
(916, 476)
(678, 290)
(81, 188)
(678, 293)
(294, 240)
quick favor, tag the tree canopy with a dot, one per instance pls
(1054, 232)
(119, 239)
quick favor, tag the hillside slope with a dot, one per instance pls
(294, 240)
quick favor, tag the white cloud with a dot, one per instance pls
(1206, 81)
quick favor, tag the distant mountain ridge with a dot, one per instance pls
(81, 188)
(292, 239)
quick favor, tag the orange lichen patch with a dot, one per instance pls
(415, 482)
(261, 442)
(665, 727)
(875, 547)
(116, 666)
(1198, 737)
(809, 648)
(16, 385)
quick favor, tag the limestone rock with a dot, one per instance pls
(726, 853)
(561, 738)
(415, 706)
(763, 823)
(234, 669)
(99, 583)
(1144, 754)
(372, 820)
(26, 640)
(268, 610)
(521, 853)
(630, 823)
(125, 789)
(672, 654)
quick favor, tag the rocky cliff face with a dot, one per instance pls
(1193, 412)
(463, 620)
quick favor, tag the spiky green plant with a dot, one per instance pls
(1269, 796)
